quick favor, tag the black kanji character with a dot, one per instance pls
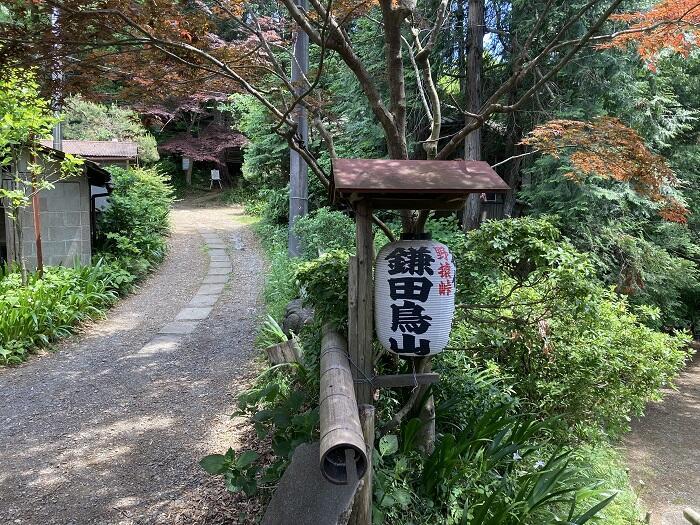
(410, 260)
(409, 318)
(409, 345)
(417, 288)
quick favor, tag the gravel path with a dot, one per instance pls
(663, 451)
(110, 428)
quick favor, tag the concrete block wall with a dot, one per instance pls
(65, 225)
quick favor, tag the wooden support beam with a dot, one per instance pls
(361, 347)
(362, 506)
(405, 380)
(341, 432)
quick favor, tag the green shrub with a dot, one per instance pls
(275, 206)
(492, 464)
(325, 230)
(530, 302)
(279, 284)
(132, 229)
(35, 315)
(323, 283)
(131, 241)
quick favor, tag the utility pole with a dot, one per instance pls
(298, 170)
(57, 77)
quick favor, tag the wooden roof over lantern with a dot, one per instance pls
(412, 184)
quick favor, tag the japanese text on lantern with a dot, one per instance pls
(410, 289)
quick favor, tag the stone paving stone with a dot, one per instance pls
(203, 300)
(193, 314)
(220, 264)
(216, 279)
(216, 245)
(210, 289)
(220, 258)
(179, 327)
(217, 253)
(160, 344)
(220, 271)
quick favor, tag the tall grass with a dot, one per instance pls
(35, 315)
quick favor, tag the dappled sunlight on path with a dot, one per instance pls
(663, 451)
(109, 429)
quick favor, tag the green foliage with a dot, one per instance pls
(275, 206)
(630, 247)
(84, 120)
(267, 157)
(653, 262)
(133, 228)
(600, 461)
(324, 286)
(271, 333)
(574, 348)
(325, 230)
(279, 285)
(239, 470)
(496, 465)
(47, 308)
(25, 118)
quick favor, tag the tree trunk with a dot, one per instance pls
(19, 244)
(425, 440)
(472, 144)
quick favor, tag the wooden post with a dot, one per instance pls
(361, 347)
(37, 235)
(362, 506)
(352, 310)
(36, 203)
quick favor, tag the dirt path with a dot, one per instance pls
(663, 451)
(110, 428)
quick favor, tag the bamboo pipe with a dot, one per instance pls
(341, 432)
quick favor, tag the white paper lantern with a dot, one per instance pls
(414, 296)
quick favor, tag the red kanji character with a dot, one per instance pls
(441, 252)
(445, 271)
(445, 288)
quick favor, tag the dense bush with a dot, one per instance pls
(530, 302)
(652, 261)
(324, 230)
(323, 283)
(132, 229)
(46, 309)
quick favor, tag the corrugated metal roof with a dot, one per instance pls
(415, 184)
(97, 175)
(98, 148)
